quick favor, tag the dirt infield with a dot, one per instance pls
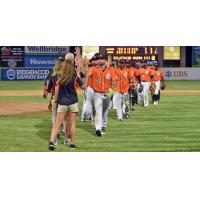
(19, 108)
(21, 93)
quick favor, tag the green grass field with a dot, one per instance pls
(173, 125)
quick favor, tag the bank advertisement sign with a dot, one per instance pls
(181, 73)
(11, 56)
(40, 61)
(196, 56)
(24, 74)
(46, 50)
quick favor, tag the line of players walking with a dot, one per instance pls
(107, 85)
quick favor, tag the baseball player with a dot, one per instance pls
(88, 107)
(102, 79)
(158, 79)
(146, 75)
(46, 83)
(85, 115)
(133, 90)
(122, 86)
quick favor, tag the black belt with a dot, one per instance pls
(99, 92)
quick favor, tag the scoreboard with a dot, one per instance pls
(134, 53)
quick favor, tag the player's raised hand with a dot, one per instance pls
(77, 51)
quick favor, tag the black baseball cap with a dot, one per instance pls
(97, 56)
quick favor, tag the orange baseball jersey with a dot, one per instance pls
(145, 74)
(158, 74)
(134, 73)
(123, 80)
(101, 80)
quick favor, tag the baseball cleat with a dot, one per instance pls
(98, 133)
(155, 102)
(103, 131)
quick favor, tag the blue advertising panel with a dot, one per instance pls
(196, 56)
(46, 50)
(40, 61)
(11, 56)
(24, 74)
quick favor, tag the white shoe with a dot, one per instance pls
(146, 105)
(56, 143)
(155, 102)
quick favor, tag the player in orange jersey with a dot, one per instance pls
(146, 75)
(102, 79)
(158, 79)
(122, 86)
(135, 82)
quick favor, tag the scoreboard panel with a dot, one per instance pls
(135, 53)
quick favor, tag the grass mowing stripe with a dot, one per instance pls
(21, 85)
(22, 99)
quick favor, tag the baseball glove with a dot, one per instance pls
(110, 93)
(140, 88)
(163, 86)
(153, 87)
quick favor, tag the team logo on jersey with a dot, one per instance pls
(146, 72)
(98, 80)
(108, 76)
(125, 74)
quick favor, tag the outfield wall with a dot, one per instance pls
(40, 73)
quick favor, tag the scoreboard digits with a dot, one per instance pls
(133, 53)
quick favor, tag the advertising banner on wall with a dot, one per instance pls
(19, 74)
(11, 56)
(196, 56)
(46, 50)
(172, 52)
(40, 61)
(181, 73)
